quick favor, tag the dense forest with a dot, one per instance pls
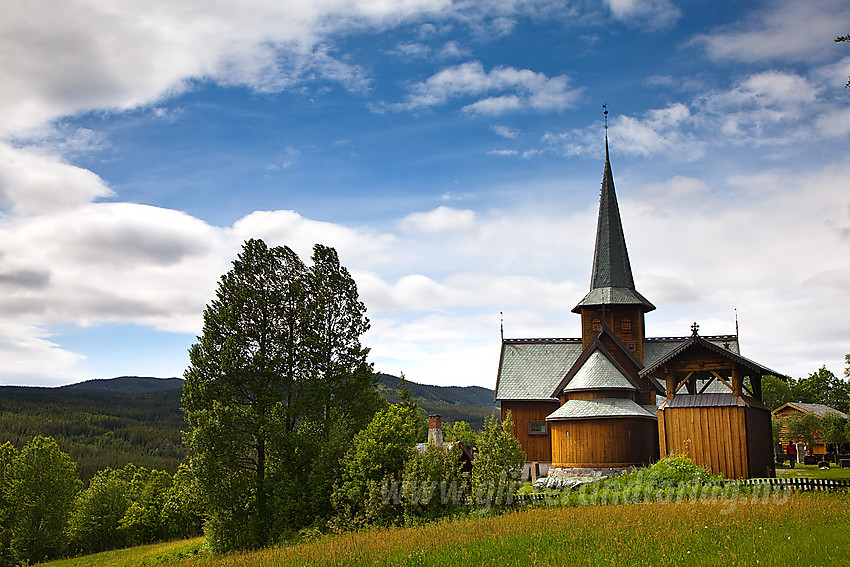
(114, 422)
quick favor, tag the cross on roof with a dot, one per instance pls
(694, 328)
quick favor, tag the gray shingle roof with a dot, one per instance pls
(530, 370)
(600, 407)
(598, 373)
(819, 410)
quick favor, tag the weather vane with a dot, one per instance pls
(605, 114)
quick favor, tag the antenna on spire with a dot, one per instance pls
(502, 325)
(605, 115)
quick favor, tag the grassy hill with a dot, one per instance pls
(130, 419)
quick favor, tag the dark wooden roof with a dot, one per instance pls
(712, 401)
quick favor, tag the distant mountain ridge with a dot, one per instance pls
(127, 385)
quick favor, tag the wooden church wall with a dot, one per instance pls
(713, 437)
(603, 442)
(536, 447)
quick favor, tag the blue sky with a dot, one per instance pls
(451, 151)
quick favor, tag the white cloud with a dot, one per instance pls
(783, 30)
(647, 14)
(505, 132)
(28, 355)
(440, 220)
(33, 182)
(502, 152)
(509, 89)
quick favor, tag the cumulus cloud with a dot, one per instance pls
(504, 89)
(783, 30)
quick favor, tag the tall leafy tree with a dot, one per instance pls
(279, 356)
(341, 377)
(823, 387)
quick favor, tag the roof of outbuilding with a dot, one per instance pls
(713, 400)
(600, 408)
(819, 410)
(696, 340)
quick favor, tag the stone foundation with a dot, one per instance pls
(559, 472)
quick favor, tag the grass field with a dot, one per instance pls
(170, 553)
(812, 471)
(806, 529)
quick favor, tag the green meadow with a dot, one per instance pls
(804, 529)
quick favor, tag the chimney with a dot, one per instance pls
(435, 430)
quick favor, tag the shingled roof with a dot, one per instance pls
(532, 369)
(600, 408)
(696, 340)
(819, 410)
(611, 280)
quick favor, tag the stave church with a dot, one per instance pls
(616, 398)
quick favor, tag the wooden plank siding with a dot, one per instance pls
(536, 447)
(759, 443)
(732, 441)
(608, 442)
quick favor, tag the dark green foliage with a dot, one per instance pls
(279, 367)
(40, 487)
(832, 429)
(775, 391)
(100, 427)
(463, 432)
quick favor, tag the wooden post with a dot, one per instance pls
(737, 381)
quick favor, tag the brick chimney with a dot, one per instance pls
(435, 430)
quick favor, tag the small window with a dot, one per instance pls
(537, 428)
(597, 324)
(626, 325)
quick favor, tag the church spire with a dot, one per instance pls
(611, 280)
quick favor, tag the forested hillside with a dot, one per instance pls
(110, 423)
(101, 423)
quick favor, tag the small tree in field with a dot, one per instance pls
(500, 458)
(42, 483)
(805, 428)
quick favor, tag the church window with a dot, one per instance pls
(537, 428)
(626, 325)
(597, 324)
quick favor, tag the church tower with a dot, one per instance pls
(612, 300)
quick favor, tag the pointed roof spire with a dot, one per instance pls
(611, 280)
